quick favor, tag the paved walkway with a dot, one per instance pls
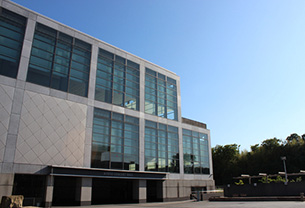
(205, 204)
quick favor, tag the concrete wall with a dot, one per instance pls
(182, 189)
(6, 184)
(6, 102)
(51, 131)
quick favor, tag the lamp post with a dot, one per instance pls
(284, 159)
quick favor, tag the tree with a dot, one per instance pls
(224, 162)
(229, 162)
(271, 143)
(294, 138)
(255, 147)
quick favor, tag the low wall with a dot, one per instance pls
(265, 189)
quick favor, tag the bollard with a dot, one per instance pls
(302, 196)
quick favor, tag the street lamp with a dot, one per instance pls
(284, 159)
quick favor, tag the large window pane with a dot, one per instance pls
(103, 82)
(41, 62)
(194, 153)
(67, 58)
(103, 94)
(119, 87)
(80, 59)
(103, 138)
(160, 93)
(43, 45)
(79, 74)
(39, 75)
(131, 102)
(59, 81)
(125, 92)
(158, 146)
(42, 54)
(61, 60)
(132, 77)
(118, 98)
(123, 145)
(59, 68)
(12, 34)
(80, 66)
(119, 73)
(78, 87)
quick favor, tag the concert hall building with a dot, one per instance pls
(83, 122)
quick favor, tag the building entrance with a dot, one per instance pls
(64, 193)
(112, 191)
(31, 187)
(154, 191)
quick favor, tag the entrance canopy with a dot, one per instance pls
(104, 173)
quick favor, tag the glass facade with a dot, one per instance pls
(160, 95)
(12, 29)
(195, 152)
(62, 62)
(59, 61)
(161, 147)
(117, 80)
(115, 141)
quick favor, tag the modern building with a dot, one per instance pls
(83, 122)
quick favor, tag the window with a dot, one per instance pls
(161, 147)
(160, 95)
(12, 29)
(59, 61)
(195, 152)
(117, 80)
(115, 141)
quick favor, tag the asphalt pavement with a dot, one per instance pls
(205, 204)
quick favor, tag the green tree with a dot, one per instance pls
(294, 138)
(255, 147)
(271, 143)
(224, 163)
(229, 162)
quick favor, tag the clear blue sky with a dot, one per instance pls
(241, 63)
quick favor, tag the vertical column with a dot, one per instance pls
(179, 100)
(26, 48)
(139, 191)
(142, 120)
(142, 191)
(88, 136)
(11, 141)
(91, 94)
(6, 184)
(92, 77)
(181, 160)
(142, 87)
(211, 177)
(83, 194)
(142, 144)
(49, 191)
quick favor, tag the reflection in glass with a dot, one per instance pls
(161, 152)
(195, 152)
(123, 80)
(160, 96)
(115, 141)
